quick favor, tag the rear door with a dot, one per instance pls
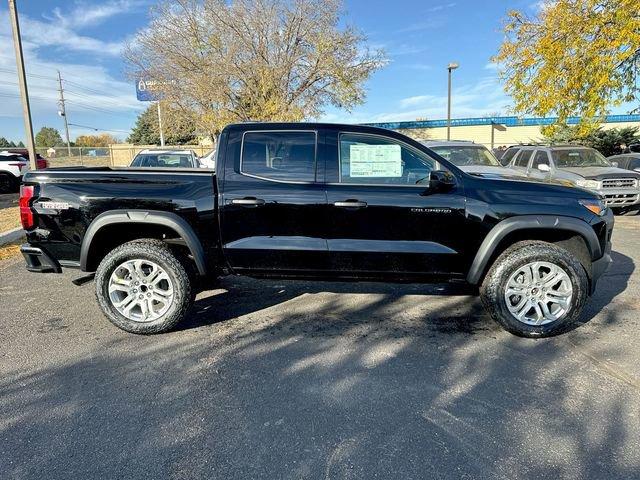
(272, 203)
(521, 161)
(382, 217)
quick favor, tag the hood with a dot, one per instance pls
(490, 171)
(601, 173)
(503, 173)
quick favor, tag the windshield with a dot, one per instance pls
(462, 155)
(580, 157)
(171, 160)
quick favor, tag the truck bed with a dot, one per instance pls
(66, 201)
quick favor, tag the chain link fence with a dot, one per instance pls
(76, 156)
(119, 155)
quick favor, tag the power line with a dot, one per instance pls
(34, 75)
(15, 95)
(76, 84)
(88, 89)
(94, 108)
(90, 97)
(98, 129)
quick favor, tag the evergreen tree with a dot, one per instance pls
(48, 137)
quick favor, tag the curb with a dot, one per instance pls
(11, 236)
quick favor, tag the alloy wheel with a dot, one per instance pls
(538, 293)
(140, 290)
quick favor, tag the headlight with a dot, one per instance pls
(595, 206)
(592, 184)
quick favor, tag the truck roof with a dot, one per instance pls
(246, 126)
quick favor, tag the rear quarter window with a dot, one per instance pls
(508, 156)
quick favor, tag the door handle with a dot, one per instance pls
(248, 202)
(350, 204)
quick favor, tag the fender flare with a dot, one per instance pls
(151, 217)
(526, 222)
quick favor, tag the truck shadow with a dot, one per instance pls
(613, 283)
(238, 297)
(292, 381)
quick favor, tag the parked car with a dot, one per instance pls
(41, 162)
(12, 167)
(209, 160)
(307, 200)
(582, 166)
(470, 157)
(166, 159)
(628, 161)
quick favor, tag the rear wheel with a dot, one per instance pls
(8, 183)
(142, 287)
(535, 289)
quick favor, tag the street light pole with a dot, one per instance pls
(451, 67)
(160, 125)
(22, 81)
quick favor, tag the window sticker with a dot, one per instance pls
(375, 161)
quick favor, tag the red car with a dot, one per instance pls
(41, 162)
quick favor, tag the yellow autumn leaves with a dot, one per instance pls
(577, 57)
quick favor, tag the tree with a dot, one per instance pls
(48, 137)
(178, 127)
(224, 61)
(577, 57)
(608, 141)
(4, 143)
(102, 140)
(20, 144)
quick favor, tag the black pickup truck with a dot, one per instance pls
(326, 201)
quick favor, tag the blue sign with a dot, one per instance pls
(149, 90)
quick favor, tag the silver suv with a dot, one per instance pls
(581, 166)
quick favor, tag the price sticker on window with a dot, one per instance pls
(382, 161)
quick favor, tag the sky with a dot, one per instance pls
(83, 39)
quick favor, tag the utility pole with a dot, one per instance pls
(160, 125)
(63, 113)
(22, 81)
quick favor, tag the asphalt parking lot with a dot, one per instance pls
(9, 200)
(318, 380)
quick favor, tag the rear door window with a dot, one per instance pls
(281, 156)
(523, 158)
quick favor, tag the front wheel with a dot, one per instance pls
(142, 287)
(535, 289)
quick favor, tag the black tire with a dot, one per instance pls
(618, 210)
(519, 255)
(8, 183)
(159, 253)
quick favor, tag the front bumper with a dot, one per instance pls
(620, 197)
(38, 260)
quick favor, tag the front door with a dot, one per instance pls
(541, 157)
(384, 219)
(271, 204)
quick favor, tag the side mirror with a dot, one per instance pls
(543, 167)
(614, 164)
(441, 181)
